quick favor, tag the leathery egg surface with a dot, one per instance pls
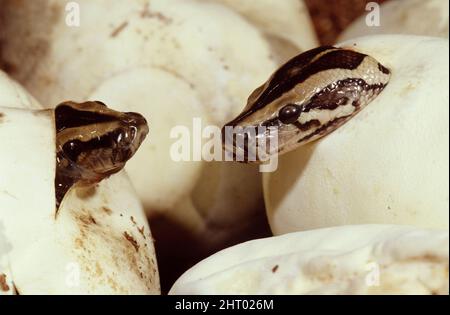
(382, 259)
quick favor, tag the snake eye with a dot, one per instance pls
(72, 149)
(124, 137)
(289, 113)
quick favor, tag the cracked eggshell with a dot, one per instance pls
(415, 17)
(382, 259)
(389, 164)
(286, 24)
(227, 56)
(99, 243)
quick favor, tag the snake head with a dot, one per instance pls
(93, 142)
(307, 98)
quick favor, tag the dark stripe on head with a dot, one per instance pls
(307, 125)
(337, 59)
(72, 149)
(338, 93)
(69, 117)
(383, 69)
(283, 74)
(300, 68)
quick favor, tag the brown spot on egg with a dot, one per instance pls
(98, 269)
(3, 285)
(119, 29)
(141, 231)
(132, 241)
(87, 219)
(79, 243)
(275, 268)
(107, 210)
(117, 247)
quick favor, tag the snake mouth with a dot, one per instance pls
(249, 144)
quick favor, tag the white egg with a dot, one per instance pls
(360, 259)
